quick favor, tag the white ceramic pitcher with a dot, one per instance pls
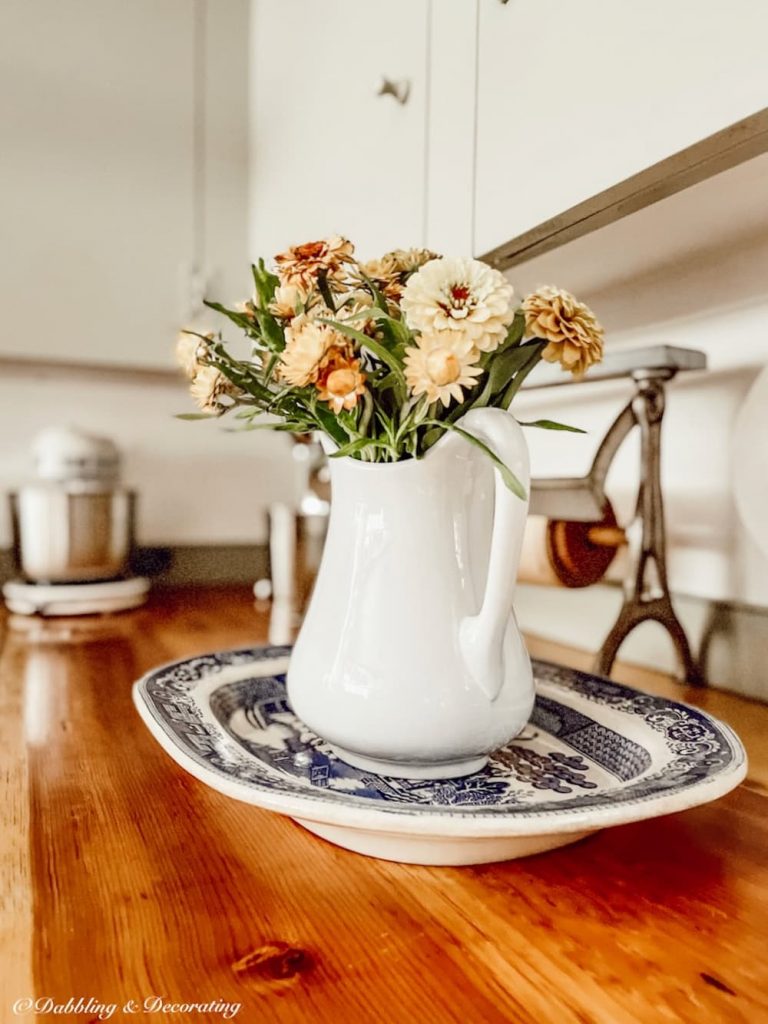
(409, 661)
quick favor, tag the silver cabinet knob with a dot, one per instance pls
(399, 90)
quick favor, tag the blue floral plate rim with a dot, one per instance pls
(696, 776)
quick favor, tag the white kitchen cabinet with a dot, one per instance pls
(574, 97)
(123, 168)
(451, 126)
(329, 155)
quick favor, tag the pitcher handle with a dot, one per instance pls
(481, 636)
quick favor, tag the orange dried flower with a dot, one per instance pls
(340, 382)
(301, 265)
(575, 337)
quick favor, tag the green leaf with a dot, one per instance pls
(294, 428)
(432, 436)
(269, 369)
(378, 298)
(515, 332)
(327, 421)
(354, 446)
(248, 413)
(264, 282)
(196, 416)
(505, 472)
(502, 367)
(240, 374)
(325, 291)
(367, 413)
(551, 425)
(385, 421)
(375, 347)
(242, 321)
(401, 336)
(535, 348)
(370, 313)
(196, 334)
(389, 380)
(271, 331)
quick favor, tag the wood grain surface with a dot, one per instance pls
(124, 878)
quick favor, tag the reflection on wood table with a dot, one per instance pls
(123, 878)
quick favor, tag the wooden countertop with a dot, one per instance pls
(124, 878)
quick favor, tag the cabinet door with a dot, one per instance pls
(123, 164)
(96, 209)
(328, 154)
(573, 97)
(451, 129)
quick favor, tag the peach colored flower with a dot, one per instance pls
(190, 351)
(390, 272)
(340, 382)
(301, 265)
(573, 333)
(286, 301)
(408, 260)
(306, 345)
(209, 386)
(350, 308)
(440, 366)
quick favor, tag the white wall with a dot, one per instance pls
(196, 483)
(124, 173)
(146, 174)
(599, 90)
(690, 271)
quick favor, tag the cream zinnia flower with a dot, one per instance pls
(209, 387)
(190, 350)
(574, 334)
(301, 265)
(466, 297)
(440, 367)
(306, 345)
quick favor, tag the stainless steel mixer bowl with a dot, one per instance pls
(72, 535)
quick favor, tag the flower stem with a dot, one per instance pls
(365, 419)
(519, 378)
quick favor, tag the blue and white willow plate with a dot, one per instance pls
(594, 754)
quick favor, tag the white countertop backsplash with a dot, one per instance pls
(197, 483)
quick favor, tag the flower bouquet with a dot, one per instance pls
(409, 661)
(383, 357)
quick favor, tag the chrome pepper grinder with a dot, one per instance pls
(296, 537)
